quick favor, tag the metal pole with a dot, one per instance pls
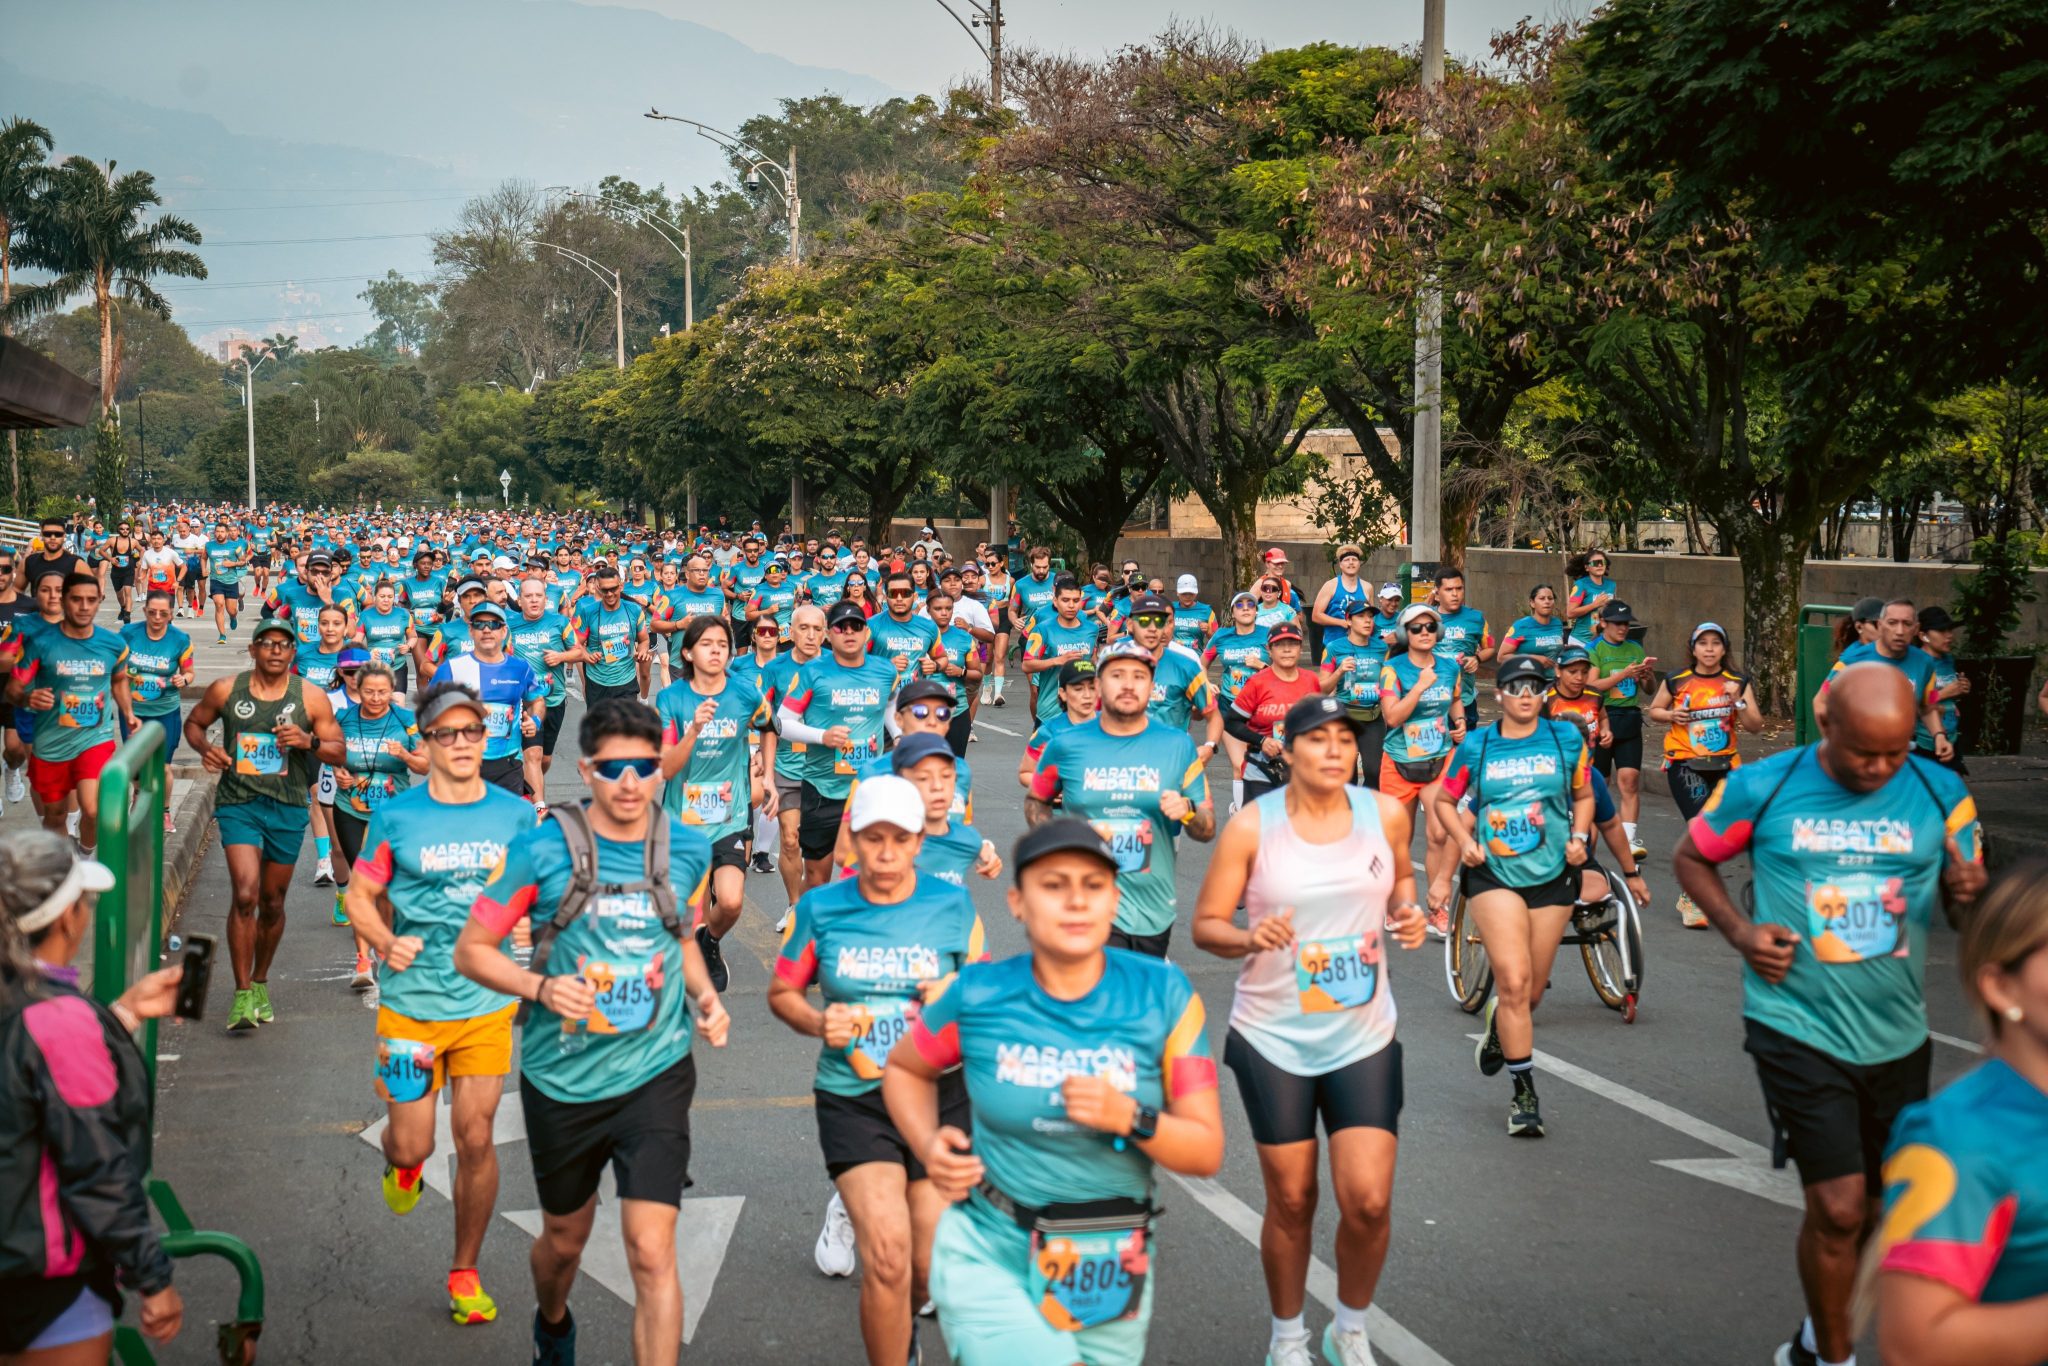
(1425, 522)
(619, 318)
(798, 515)
(249, 409)
(141, 445)
(796, 211)
(689, 283)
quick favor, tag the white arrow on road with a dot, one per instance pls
(702, 1233)
(1747, 1166)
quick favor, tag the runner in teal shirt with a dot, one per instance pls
(831, 694)
(86, 682)
(612, 631)
(1056, 636)
(708, 787)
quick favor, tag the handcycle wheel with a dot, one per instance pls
(1466, 967)
(1614, 954)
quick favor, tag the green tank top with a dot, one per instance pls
(259, 768)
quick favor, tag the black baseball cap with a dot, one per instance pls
(1936, 618)
(1283, 630)
(915, 749)
(1520, 667)
(921, 689)
(1061, 836)
(1143, 604)
(1077, 671)
(844, 611)
(1311, 713)
(319, 559)
(1617, 611)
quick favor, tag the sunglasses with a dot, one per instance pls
(612, 770)
(851, 626)
(1148, 619)
(1423, 627)
(1522, 687)
(445, 736)
(902, 592)
(926, 712)
(765, 630)
(275, 642)
(487, 626)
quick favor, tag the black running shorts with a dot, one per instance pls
(1626, 723)
(644, 1135)
(1561, 890)
(1832, 1118)
(729, 851)
(1283, 1105)
(854, 1130)
(817, 830)
(1151, 945)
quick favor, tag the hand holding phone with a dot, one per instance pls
(198, 974)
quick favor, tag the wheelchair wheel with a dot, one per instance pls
(1614, 953)
(1466, 968)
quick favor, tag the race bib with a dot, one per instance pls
(1130, 842)
(405, 1070)
(626, 996)
(1085, 1280)
(615, 649)
(1625, 689)
(1856, 916)
(1425, 739)
(1338, 973)
(1708, 737)
(879, 1022)
(1362, 688)
(146, 687)
(706, 803)
(257, 754)
(1512, 830)
(854, 753)
(497, 720)
(79, 710)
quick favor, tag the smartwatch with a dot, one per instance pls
(1145, 1123)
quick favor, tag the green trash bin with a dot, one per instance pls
(1816, 656)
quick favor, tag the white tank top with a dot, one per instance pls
(1327, 1002)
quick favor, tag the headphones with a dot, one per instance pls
(1398, 637)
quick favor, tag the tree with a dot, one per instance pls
(24, 175)
(369, 475)
(1995, 455)
(405, 313)
(479, 431)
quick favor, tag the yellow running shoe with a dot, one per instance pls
(402, 1186)
(467, 1302)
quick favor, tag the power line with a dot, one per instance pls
(269, 318)
(332, 204)
(308, 189)
(308, 241)
(293, 280)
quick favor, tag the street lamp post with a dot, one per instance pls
(792, 202)
(249, 410)
(647, 218)
(1425, 519)
(618, 293)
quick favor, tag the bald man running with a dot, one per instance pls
(1851, 841)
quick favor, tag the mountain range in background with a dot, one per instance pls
(279, 129)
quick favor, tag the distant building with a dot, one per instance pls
(231, 348)
(1290, 517)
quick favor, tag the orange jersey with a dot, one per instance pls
(1711, 731)
(1583, 711)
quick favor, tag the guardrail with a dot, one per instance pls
(127, 943)
(16, 533)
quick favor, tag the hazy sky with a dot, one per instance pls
(912, 45)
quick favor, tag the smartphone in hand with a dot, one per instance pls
(197, 974)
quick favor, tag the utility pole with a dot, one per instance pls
(995, 52)
(1425, 519)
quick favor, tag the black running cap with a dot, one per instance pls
(1059, 837)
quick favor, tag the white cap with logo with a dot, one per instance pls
(887, 800)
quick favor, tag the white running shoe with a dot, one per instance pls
(17, 785)
(834, 1252)
(1289, 1352)
(1346, 1349)
(323, 873)
(782, 927)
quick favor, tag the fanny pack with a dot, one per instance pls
(1089, 1260)
(1711, 763)
(1419, 770)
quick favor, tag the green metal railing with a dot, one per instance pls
(128, 934)
(1815, 654)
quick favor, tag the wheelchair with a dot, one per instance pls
(1608, 933)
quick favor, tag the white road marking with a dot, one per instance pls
(1000, 730)
(704, 1229)
(1953, 1042)
(1747, 1166)
(1389, 1339)
(508, 1126)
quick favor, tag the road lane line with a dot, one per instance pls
(1389, 1339)
(1000, 730)
(1953, 1042)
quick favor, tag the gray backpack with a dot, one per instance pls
(574, 821)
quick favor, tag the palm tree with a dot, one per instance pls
(23, 175)
(87, 229)
(286, 347)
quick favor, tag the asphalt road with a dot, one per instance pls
(1646, 1227)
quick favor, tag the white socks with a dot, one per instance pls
(1236, 792)
(1628, 828)
(1290, 1330)
(1350, 1320)
(1807, 1340)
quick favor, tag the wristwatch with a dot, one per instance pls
(1145, 1123)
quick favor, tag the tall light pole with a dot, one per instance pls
(988, 14)
(1425, 518)
(792, 202)
(663, 228)
(249, 409)
(618, 290)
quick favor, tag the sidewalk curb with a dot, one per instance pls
(182, 850)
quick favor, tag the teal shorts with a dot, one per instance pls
(980, 1261)
(275, 828)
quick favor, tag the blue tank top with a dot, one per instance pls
(1341, 601)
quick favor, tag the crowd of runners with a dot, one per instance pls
(789, 720)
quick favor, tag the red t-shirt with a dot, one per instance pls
(1265, 697)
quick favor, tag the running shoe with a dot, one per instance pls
(1289, 1352)
(552, 1349)
(763, 864)
(71, 825)
(221, 641)
(1439, 921)
(170, 825)
(1346, 1349)
(1639, 849)
(242, 1014)
(323, 873)
(467, 1302)
(927, 1310)
(234, 623)
(17, 785)
(259, 1001)
(1488, 1055)
(714, 958)
(1524, 1119)
(365, 974)
(1794, 1353)
(834, 1252)
(402, 1187)
(999, 699)
(340, 910)
(782, 925)
(1689, 913)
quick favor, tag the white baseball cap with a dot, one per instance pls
(888, 800)
(1185, 584)
(85, 875)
